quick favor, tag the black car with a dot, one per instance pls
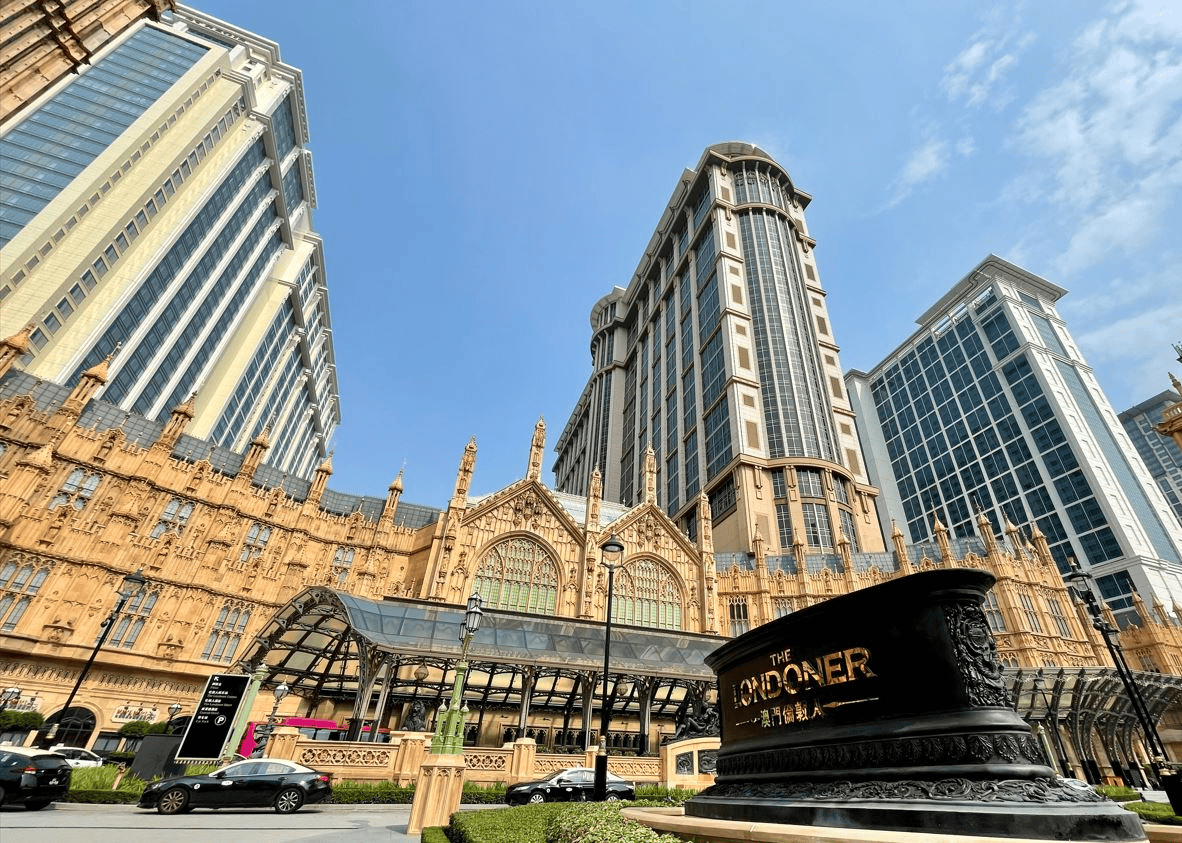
(255, 783)
(33, 777)
(576, 784)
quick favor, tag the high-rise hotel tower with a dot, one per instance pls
(990, 408)
(156, 213)
(719, 360)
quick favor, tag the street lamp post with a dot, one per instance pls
(263, 732)
(1081, 582)
(449, 728)
(9, 696)
(132, 584)
(173, 711)
(613, 546)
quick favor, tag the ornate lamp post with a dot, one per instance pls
(449, 726)
(263, 732)
(132, 584)
(1081, 582)
(9, 696)
(173, 711)
(615, 547)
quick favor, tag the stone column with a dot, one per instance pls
(409, 757)
(282, 743)
(438, 789)
(521, 763)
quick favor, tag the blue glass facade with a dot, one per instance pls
(62, 137)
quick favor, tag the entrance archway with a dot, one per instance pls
(75, 725)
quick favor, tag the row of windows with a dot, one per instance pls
(114, 250)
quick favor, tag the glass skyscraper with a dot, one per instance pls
(1161, 454)
(990, 407)
(155, 211)
(720, 359)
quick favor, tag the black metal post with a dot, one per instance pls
(1081, 580)
(599, 793)
(137, 580)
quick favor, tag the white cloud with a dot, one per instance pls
(925, 163)
(977, 74)
(1108, 136)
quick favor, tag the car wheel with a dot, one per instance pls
(611, 797)
(1, 796)
(289, 800)
(173, 801)
(38, 805)
(537, 798)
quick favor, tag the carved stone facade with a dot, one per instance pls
(83, 504)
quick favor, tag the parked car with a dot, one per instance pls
(33, 777)
(76, 756)
(254, 783)
(575, 784)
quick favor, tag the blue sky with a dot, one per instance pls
(486, 172)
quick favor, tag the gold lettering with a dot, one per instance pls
(856, 659)
(812, 670)
(833, 666)
(771, 684)
(792, 686)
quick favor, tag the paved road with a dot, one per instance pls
(69, 823)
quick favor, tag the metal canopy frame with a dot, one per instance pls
(327, 644)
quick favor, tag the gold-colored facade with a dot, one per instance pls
(81, 507)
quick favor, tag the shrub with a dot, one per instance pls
(663, 795)
(434, 834)
(599, 823)
(20, 720)
(103, 797)
(525, 824)
(1157, 812)
(370, 793)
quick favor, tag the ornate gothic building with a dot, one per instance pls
(233, 551)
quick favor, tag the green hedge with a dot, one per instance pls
(1118, 793)
(600, 823)
(1155, 812)
(526, 824)
(102, 797)
(434, 834)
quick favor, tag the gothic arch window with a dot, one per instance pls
(226, 633)
(647, 594)
(19, 584)
(519, 575)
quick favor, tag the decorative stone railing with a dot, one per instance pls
(400, 759)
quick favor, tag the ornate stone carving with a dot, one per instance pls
(976, 653)
(995, 748)
(1040, 791)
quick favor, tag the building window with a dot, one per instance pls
(647, 594)
(784, 524)
(740, 622)
(781, 606)
(849, 528)
(993, 614)
(1060, 618)
(817, 530)
(518, 575)
(19, 584)
(175, 517)
(1032, 619)
(256, 541)
(227, 631)
(131, 622)
(77, 489)
(342, 563)
(809, 481)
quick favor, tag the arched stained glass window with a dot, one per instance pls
(518, 575)
(647, 594)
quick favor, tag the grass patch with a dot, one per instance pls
(95, 779)
(1118, 793)
(1154, 812)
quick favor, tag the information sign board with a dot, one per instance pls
(214, 721)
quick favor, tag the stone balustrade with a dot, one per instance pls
(400, 759)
